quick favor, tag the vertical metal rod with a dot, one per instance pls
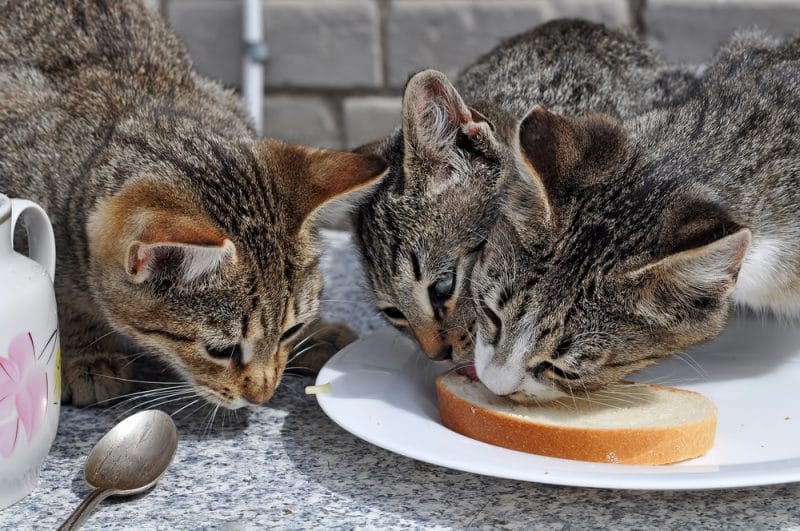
(255, 55)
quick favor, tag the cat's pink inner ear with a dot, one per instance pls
(177, 247)
(433, 112)
(185, 262)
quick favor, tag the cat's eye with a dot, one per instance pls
(442, 289)
(232, 352)
(290, 333)
(493, 317)
(393, 313)
(539, 369)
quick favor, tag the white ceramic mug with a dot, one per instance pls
(30, 364)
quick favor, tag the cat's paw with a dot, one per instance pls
(95, 378)
(321, 341)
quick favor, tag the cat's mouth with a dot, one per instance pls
(468, 370)
(522, 396)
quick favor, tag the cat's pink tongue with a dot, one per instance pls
(468, 371)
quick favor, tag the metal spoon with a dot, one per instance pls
(128, 460)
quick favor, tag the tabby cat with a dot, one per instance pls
(632, 240)
(178, 231)
(421, 228)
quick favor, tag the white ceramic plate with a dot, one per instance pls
(383, 392)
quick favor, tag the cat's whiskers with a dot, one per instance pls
(168, 400)
(288, 372)
(203, 403)
(304, 340)
(142, 392)
(619, 399)
(154, 382)
(87, 347)
(691, 362)
(210, 425)
(184, 407)
(179, 394)
(592, 398)
(670, 381)
(145, 396)
(137, 399)
(296, 355)
(585, 391)
(621, 393)
(574, 402)
(457, 366)
(132, 358)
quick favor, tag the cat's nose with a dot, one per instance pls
(258, 386)
(259, 395)
(429, 340)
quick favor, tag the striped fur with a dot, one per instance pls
(456, 154)
(178, 231)
(654, 225)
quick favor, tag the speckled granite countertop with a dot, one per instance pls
(286, 466)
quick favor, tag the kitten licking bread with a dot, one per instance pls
(178, 232)
(632, 241)
(420, 230)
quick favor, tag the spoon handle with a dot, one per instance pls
(82, 511)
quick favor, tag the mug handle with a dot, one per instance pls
(41, 241)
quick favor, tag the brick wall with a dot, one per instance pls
(337, 67)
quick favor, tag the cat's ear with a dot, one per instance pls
(149, 230)
(181, 254)
(562, 153)
(436, 119)
(308, 177)
(700, 254)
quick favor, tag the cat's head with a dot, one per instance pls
(601, 265)
(420, 229)
(211, 262)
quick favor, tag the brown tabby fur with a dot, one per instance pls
(178, 232)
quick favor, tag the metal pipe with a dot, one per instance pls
(255, 55)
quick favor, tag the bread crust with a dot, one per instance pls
(635, 446)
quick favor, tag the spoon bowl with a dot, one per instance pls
(128, 460)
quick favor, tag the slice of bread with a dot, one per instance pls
(628, 423)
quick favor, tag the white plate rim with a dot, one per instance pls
(552, 470)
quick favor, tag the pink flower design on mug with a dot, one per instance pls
(23, 393)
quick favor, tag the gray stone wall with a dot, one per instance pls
(337, 67)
